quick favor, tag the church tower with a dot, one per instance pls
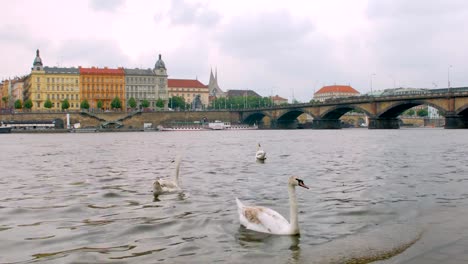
(161, 81)
(213, 86)
(37, 64)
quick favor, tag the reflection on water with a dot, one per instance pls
(87, 197)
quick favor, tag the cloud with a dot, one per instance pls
(183, 13)
(416, 41)
(105, 5)
(98, 52)
(275, 52)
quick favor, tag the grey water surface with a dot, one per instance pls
(86, 198)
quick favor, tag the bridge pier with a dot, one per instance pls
(326, 124)
(384, 123)
(455, 121)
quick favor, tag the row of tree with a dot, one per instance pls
(240, 102)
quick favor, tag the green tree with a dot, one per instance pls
(28, 104)
(160, 103)
(177, 102)
(116, 103)
(99, 104)
(422, 112)
(132, 102)
(84, 104)
(5, 100)
(236, 102)
(48, 103)
(65, 104)
(410, 112)
(18, 104)
(145, 103)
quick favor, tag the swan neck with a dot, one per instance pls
(293, 209)
(176, 174)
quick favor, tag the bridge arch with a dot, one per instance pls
(255, 118)
(463, 111)
(289, 118)
(396, 109)
(336, 112)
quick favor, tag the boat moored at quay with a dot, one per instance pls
(216, 125)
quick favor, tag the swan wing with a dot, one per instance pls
(262, 219)
(260, 154)
(168, 185)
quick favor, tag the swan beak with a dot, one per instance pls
(301, 183)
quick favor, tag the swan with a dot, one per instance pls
(261, 154)
(266, 220)
(166, 185)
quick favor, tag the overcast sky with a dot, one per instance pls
(289, 48)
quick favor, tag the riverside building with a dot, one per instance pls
(54, 84)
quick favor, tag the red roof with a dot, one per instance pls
(278, 98)
(184, 83)
(103, 71)
(337, 89)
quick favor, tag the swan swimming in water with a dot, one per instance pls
(266, 220)
(163, 186)
(261, 154)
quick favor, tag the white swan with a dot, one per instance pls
(162, 186)
(266, 220)
(261, 154)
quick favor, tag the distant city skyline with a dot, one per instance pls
(272, 48)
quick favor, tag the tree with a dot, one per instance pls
(145, 103)
(5, 100)
(160, 103)
(177, 102)
(18, 104)
(48, 104)
(132, 102)
(410, 112)
(65, 104)
(28, 104)
(84, 104)
(422, 112)
(99, 104)
(116, 103)
(237, 102)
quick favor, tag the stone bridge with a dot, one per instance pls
(382, 111)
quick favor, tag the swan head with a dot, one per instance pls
(294, 181)
(157, 189)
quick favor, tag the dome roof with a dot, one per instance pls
(37, 60)
(337, 89)
(160, 64)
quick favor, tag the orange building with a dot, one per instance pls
(102, 84)
(335, 91)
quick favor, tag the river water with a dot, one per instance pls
(86, 198)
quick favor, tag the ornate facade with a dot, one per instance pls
(102, 85)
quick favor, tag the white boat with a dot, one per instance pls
(219, 125)
(216, 125)
(180, 128)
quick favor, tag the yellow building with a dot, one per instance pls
(52, 83)
(188, 89)
(102, 84)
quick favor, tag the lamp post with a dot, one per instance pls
(372, 75)
(394, 82)
(448, 77)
